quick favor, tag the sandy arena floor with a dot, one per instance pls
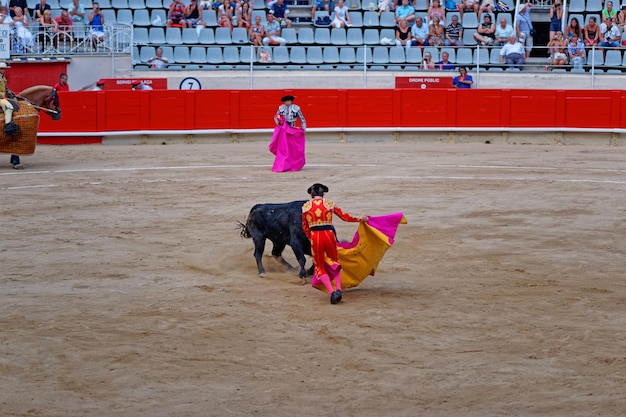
(126, 290)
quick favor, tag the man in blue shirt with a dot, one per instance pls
(444, 64)
(463, 80)
(524, 27)
(281, 13)
(405, 12)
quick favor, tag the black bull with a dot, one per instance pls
(282, 225)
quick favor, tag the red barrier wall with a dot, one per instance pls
(253, 109)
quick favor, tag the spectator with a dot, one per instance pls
(341, 16)
(158, 61)
(427, 62)
(139, 85)
(403, 35)
(485, 34)
(435, 36)
(386, 6)
(574, 29)
(99, 85)
(467, 6)
(257, 32)
(503, 32)
(62, 84)
(22, 4)
(281, 13)
(244, 18)
(621, 19)
(513, 53)
(20, 21)
(40, 8)
(225, 14)
(576, 52)
(444, 64)
(609, 13)
(419, 32)
(609, 35)
(48, 28)
(405, 12)
(524, 27)
(463, 80)
(454, 33)
(558, 50)
(65, 26)
(206, 4)
(272, 32)
(591, 33)
(193, 15)
(176, 15)
(77, 11)
(321, 5)
(486, 6)
(5, 17)
(96, 26)
(556, 15)
(436, 10)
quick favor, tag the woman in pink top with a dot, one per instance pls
(436, 10)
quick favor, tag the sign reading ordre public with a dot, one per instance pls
(424, 82)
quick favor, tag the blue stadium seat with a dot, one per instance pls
(125, 16)
(414, 56)
(198, 55)
(381, 55)
(356, 19)
(369, 5)
(470, 20)
(240, 35)
(353, 5)
(290, 35)
(210, 18)
(109, 15)
(246, 54)
(181, 55)
(338, 36)
(259, 5)
(156, 35)
(389, 34)
(613, 58)
(206, 36)
(322, 36)
(119, 4)
(451, 53)
(370, 19)
(280, 55)
(464, 56)
(388, 19)
(576, 6)
(494, 56)
(434, 52)
(596, 6)
(153, 4)
(141, 18)
(355, 36)
(168, 52)
(305, 36)
(231, 55)
(595, 57)
(347, 55)
(468, 37)
(158, 14)
(190, 36)
(360, 58)
(222, 36)
(421, 5)
(140, 36)
(214, 56)
(297, 55)
(314, 55)
(256, 13)
(331, 55)
(136, 4)
(104, 4)
(146, 52)
(371, 37)
(481, 56)
(396, 55)
(173, 36)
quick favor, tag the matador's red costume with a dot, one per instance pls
(317, 223)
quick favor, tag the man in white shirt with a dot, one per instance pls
(512, 53)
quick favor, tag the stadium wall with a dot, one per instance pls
(377, 114)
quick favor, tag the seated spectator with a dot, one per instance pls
(225, 15)
(244, 15)
(419, 33)
(48, 28)
(503, 32)
(435, 36)
(96, 25)
(609, 13)
(281, 13)
(65, 26)
(12, 4)
(206, 4)
(609, 35)
(558, 48)
(591, 33)
(486, 6)
(41, 7)
(621, 19)
(436, 10)
(177, 14)
(403, 35)
(444, 64)
(486, 32)
(573, 28)
(272, 32)
(454, 33)
(158, 61)
(5, 16)
(405, 12)
(576, 52)
(193, 15)
(463, 80)
(513, 53)
(427, 62)
(467, 6)
(256, 32)
(319, 5)
(21, 28)
(341, 17)
(77, 11)
(385, 6)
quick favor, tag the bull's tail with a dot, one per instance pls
(243, 230)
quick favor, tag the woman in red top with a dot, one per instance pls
(317, 223)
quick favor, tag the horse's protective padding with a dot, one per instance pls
(27, 118)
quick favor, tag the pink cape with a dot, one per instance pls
(359, 259)
(288, 146)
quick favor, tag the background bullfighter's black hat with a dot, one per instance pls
(287, 98)
(317, 187)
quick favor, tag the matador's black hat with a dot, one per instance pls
(317, 187)
(287, 98)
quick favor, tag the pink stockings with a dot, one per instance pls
(328, 284)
